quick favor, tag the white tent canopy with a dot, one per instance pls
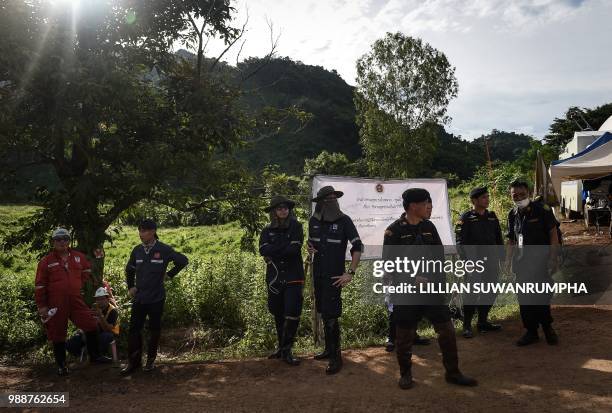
(595, 161)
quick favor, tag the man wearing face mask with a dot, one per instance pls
(532, 250)
(281, 246)
(329, 231)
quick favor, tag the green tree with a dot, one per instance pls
(97, 95)
(561, 131)
(403, 90)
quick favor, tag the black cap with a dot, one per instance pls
(279, 200)
(478, 191)
(415, 195)
(147, 224)
(325, 191)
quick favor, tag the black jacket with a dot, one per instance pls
(283, 249)
(145, 271)
(330, 239)
(400, 232)
(478, 235)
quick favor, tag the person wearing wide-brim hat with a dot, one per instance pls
(280, 244)
(329, 232)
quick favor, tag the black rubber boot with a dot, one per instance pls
(483, 324)
(530, 337)
(326, 352)
(134, 354)
(551, 335)
(152, 349)
(450, 359)
(93, 349)
(279, 321)
(404, 338)
(289, 330)
(59, 353)
(335, 353)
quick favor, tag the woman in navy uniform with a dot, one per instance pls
(329, 232)
(280, 244)
(146, 272)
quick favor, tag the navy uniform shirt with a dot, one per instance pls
(400, 232)
(146, 270)
(474, 229)
(283, 247)
(534, 222)
(330, 239)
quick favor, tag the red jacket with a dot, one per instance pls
(54, 279)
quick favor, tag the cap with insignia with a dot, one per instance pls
(478, 191)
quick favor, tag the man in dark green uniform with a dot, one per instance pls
(533, 235)
(329, 232)
(413, 228)
(476, 232)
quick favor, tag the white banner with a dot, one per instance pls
(373, 204)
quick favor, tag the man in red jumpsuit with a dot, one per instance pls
(59, 278)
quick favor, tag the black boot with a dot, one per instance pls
(551, 336)
(335, 354)
(152, 349)
(326, 352)
(530, 337)
(93, 349)
(483, 324)
(59, 353)
(289, 330)
(450, 359)
(468, 314)
(279, 322)
(134, 354)
(403, 346)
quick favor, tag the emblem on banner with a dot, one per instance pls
(379, 188)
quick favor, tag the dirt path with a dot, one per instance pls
(575, 376)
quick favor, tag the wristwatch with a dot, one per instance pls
(352, 272)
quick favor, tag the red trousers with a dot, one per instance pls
(69, 307)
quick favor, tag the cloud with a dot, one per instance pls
(519, 63)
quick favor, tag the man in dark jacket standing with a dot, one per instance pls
(478, 234)
(329, 231)
(414, 229)
(280, 244)
(146, 270)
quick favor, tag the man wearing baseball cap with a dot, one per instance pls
(329, 232)
(414, 229)
(145, 272)
(59, 279)
(477, 232)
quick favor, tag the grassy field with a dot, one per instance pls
(216, 308)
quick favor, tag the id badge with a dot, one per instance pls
(520, 240)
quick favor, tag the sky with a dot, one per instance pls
(519, 63)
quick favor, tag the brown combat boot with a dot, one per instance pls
(450, 359)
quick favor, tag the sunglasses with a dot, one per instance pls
(64, 238)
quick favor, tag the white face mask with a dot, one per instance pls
(522, 204)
